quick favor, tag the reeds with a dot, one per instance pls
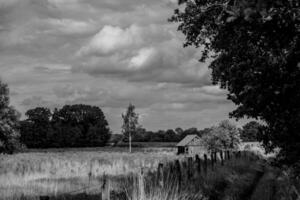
(48, 173)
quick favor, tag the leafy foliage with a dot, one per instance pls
(130, 122)
(71, 126)
(255, 47)
(251, 131)
(9, 117)
(222, 137)
(36, 127)
(170, 135)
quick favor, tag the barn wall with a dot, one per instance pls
(200, 150)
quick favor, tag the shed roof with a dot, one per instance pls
(185, 141)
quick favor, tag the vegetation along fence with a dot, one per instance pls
(195, 178)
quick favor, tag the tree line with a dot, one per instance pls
(248, 133)
(134, 132)
(71, 126)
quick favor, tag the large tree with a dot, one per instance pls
(88, 124)
(225, 136)
(71, 126)
(35, 129)
(9, 117)
(254, 46)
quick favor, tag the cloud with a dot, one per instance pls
(65, 91)
(106, 53)
(65, 26)
(35, 101)
(142, 54)
(113, 39)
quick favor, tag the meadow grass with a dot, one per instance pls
(79, 175)
(52, 173)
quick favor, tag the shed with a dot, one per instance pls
(191, 144)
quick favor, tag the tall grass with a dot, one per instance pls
(52, 173)
(78, 175)
(230, 181)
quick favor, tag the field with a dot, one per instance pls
(59, 174)
(64, 171)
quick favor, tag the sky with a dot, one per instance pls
(107, 53)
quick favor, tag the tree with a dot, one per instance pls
(140, 135)
(170, 136)
(9, 117)
(254, 47)
(178, 130)
(90, 120)
(130, 123)
(71, 126)
(222, 137)
(251, 131)
(95, 137)
(34, 130)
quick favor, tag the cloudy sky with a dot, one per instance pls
(106, 53)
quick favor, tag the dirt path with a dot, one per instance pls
(264, 187)
(248, 193)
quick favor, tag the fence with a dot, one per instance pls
(179, 172)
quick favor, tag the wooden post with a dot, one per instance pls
(198, 164)
(221, 157)
(44, 197)
(215, 157)
(239, 154)
(160, 175)
(212, 159)
(178, 173)
(141, 185)
(105, 188)
(244, 154)
(190, 168)
(205, 163)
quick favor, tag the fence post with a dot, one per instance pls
(160, 175)
(239, 154)
(205, 163)
(178, 173)
(222, 159)
(190, 168)
(198, 164)
(212, 159)
(215, 157)
(44, 198)
(105, 188)
(141, 185)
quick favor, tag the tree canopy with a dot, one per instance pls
(35, 130)
(255, 50)
(130, 123)
(225, 136)
(251, 131)
(71, 126)
(9, 117)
